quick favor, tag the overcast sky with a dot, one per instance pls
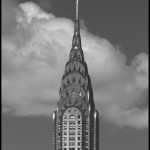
(36, 41)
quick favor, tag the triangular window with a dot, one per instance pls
(74, 80)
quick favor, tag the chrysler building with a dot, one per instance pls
(76, 121)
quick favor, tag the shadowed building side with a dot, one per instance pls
(76, 122)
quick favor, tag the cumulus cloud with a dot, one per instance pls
(33, 61)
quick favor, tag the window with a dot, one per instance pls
(79, 128)
(72, 133)
(65, 144)
(72, 117)
(78, 122)
(65, 127)
(65, 138)
(72, 138)
(71, 143)
(65, 122)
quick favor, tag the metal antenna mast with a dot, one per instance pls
(77, 9)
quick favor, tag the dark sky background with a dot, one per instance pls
(123, 23)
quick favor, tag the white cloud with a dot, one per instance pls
(123, 117)
(33, 61)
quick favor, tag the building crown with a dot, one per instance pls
(76, 82)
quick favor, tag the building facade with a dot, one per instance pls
(76, 122)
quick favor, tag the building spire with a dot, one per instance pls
(76, 51)
(76, 43)
(77, 9)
